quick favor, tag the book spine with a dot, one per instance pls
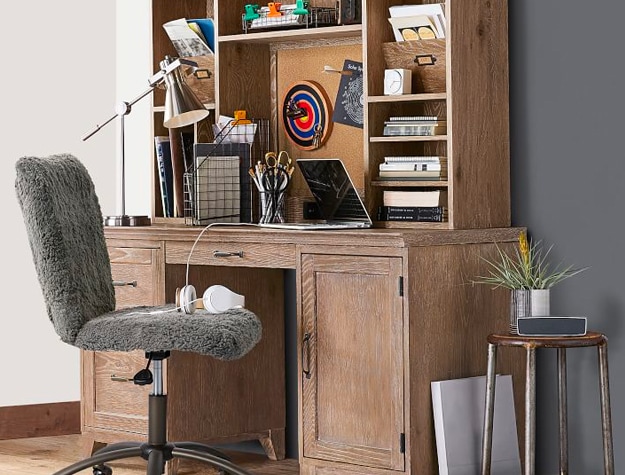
(416, 158)
(411, 166)
(434, 214)
(163, 159)
(413, 118)
(390, 130)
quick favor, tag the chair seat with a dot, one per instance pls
(225, 336)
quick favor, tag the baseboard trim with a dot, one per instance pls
(40, 420)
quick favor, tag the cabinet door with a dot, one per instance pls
(110, 404)
(352, 360)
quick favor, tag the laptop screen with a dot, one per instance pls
(333, 190)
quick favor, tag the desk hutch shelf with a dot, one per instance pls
(254, 69)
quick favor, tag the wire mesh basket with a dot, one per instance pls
(218, 188)
(288, 18)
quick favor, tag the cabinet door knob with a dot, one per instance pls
(306, 354)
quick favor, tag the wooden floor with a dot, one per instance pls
(45, 455)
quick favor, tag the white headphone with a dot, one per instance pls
(216, 299)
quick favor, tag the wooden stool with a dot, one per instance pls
(530, 344)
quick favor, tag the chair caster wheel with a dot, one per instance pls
(102, 470)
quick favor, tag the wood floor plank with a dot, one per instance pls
(45, 455)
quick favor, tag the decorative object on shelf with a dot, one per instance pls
(397, 82)
(529, 276)
(182, 108)
(306, 115)
(272, 178)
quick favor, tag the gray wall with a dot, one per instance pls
(567, 104)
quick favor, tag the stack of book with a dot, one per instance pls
(414, 125)
(413, 168)
(424, 206)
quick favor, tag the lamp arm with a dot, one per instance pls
(123, 108)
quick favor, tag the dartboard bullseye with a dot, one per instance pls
(306, 115)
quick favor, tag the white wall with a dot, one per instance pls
(57, 82)
(134, 68)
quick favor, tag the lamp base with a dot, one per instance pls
(126, 221)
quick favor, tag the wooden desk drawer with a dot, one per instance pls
(141, 267)
(232, 254)
(115, 405)
(140, 293)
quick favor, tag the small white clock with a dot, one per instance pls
(397, 81)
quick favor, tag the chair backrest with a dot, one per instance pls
(64, 226)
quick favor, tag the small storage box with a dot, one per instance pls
(426, 60)
(202, 79)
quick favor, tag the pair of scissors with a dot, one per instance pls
(276, 161)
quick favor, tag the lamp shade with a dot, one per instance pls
(182, 107)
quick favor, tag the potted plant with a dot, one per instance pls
(529, 275)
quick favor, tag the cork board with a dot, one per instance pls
(344, 142)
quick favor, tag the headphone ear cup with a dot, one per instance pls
(218, 299)
(188, 296)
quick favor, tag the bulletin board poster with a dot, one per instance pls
(350, 100)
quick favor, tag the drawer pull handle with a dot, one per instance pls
(306, 353)
(120, 379)
(227, 254)
(118, 283)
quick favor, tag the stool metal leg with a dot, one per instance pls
(530, 410)
(606, 416)
(489, 410)
(563, 412)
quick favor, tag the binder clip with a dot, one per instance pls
(274, 10)
(301, 8)
(251, 12)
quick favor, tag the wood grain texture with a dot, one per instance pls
(448, 326)
(232, 399)
(253, 255)
(39, 420)
(428, 78)
(351, 309)
(45, 455)
(477, 46)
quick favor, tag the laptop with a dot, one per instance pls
(335, 194)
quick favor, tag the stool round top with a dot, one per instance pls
(589, 339)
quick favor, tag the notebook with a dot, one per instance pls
(331, 186)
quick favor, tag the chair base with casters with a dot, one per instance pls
(157, 451)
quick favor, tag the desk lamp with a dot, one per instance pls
(182, 108)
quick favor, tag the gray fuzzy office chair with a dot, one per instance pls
(64, 225)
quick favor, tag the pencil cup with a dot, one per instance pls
(272, 207)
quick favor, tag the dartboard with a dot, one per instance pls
(306, 115)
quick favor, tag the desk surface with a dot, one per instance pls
(357, 237)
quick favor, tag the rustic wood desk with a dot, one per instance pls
(380, 314)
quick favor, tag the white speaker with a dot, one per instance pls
(397, 81)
